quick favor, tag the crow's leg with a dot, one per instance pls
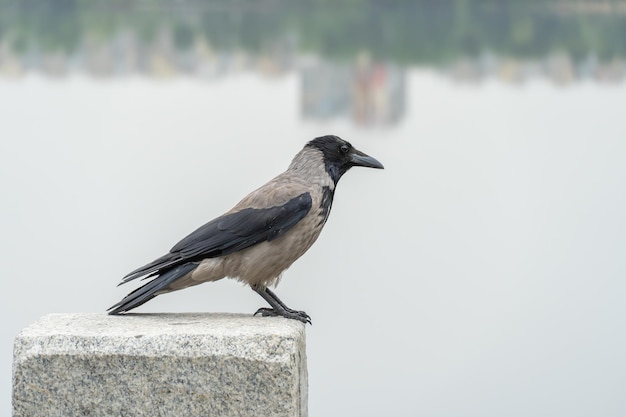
(275, 297)
(278, 307)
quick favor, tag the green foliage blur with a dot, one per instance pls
(403, 31)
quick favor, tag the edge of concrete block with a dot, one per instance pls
(279, 344)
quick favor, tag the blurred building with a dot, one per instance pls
(369, 93)
(559, 68)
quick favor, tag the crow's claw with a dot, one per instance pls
(290, 314)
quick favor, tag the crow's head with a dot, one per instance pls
(340, 156)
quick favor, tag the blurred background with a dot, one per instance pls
(482, 273)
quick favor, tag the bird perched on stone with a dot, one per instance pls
(261, 236)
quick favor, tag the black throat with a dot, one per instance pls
(334, 171)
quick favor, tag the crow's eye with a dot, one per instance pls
(345, 148)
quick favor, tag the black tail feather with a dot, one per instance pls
(166, 261)
(149, 290)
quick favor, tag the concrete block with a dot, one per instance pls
(160, 365)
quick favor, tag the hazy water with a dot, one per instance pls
(480, 274)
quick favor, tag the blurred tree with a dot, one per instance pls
(426, 32)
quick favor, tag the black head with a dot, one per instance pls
(340, 156)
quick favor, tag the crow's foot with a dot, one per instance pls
(287, 313)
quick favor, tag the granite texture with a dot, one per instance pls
(160, 365)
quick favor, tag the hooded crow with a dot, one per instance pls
(261, 236)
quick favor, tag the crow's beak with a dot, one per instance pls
(360, 159)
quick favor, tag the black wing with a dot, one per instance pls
(230, 233)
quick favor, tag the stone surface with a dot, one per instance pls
(160, 365)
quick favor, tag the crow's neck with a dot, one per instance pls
(309, 164)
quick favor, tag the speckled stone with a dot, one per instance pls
(160, 365)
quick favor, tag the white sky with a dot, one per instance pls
(481, 274)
